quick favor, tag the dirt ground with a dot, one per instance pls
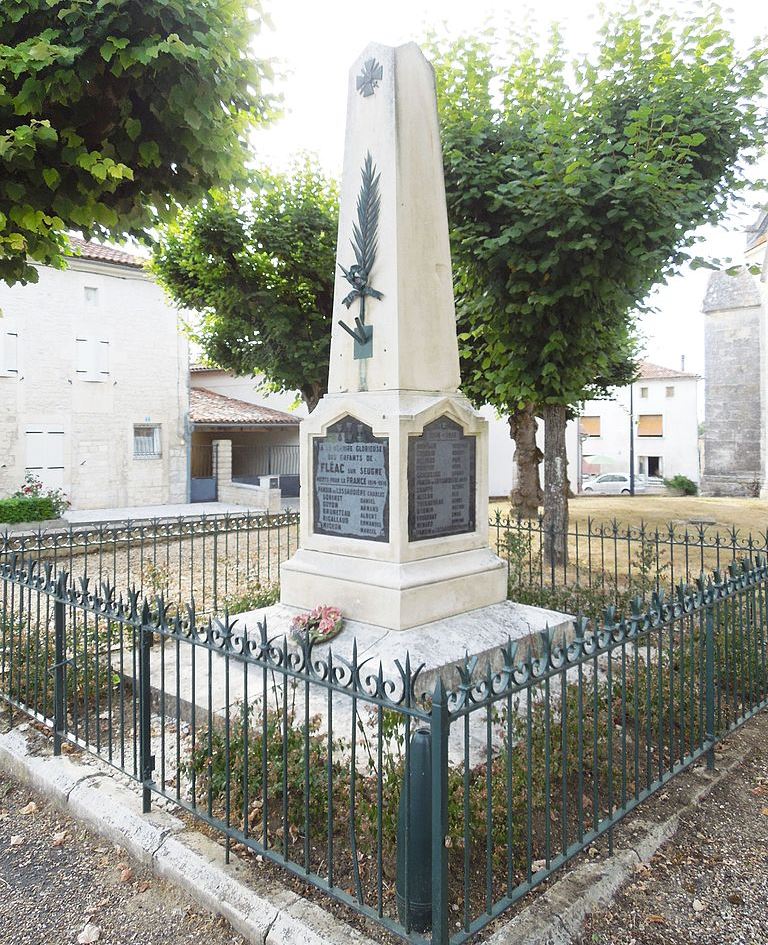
(62, 885)
(660, 510)
(709, 884)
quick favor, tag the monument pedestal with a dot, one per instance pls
(394, 528)
(398, 595)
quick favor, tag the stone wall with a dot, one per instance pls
(733, 405)
(85, 422)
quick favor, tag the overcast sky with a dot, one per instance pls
(316, 42)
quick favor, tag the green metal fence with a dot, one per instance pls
(432, 812)
(220, 561)
(226, 562)
(599, 564)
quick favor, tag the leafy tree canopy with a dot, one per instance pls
(574, 187)
(113, 111)
(259, 266)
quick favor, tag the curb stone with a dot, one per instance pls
(557, 915)
(272, 914)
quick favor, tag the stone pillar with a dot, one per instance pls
(222, 464)
(394, 501)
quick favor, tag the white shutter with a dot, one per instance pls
(102, 359)
(45, 456)
(82, 356)
(35, 450)
(9, 365)
(92, 359)
(11, 353)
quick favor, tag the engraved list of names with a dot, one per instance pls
(351, 482)
(441, 481)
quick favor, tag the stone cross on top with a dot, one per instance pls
(394, 324)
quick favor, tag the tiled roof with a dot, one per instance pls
(206, 406)
(202, 367)
(648, 371)
(91, 250)
(726, 292)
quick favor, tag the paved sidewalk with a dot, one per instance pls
(141, 512)
(709, 884)
(62, 885)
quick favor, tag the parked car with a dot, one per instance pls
(613, 484)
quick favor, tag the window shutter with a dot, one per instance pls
(102, 356)
(92, 359)
(10, 353)
(82, 359)
(650, 424)
(589, 426)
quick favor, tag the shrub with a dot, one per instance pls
(682, 484)
(27, 509)
(32, 488)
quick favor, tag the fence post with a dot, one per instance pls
(147, 761)
(439, 728)
(59, 677)
(552, 554)
(709, 669)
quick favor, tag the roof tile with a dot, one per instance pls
(206, 406)
(89, 250)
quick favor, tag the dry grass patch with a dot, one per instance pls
(718, 514)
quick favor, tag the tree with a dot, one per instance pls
(574, 188)
(259, 265)
(112, 112)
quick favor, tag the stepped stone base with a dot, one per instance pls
(441, 645)
(397, 596)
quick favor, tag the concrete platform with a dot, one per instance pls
(439, 648)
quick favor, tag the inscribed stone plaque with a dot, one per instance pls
(441, 481)
(351, 482)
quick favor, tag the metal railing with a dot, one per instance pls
(600, 564)
(429, 812)
(219, 561)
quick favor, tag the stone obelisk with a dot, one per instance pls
(394, 500)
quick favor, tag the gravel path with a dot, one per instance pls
(62, 885)
(709, 884)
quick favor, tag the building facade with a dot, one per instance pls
(658, 414)
(662, 420)
(94, 389)
(736, 405)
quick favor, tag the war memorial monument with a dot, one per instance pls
(394, 502)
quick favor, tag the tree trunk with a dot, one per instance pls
(555, 485)
(312, 395)
(527, 495)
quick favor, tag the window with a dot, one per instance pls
(670, 391)
(650, 424)
(92, 359)
(45, 456)
(644, 393)
(589, 426)
(146, 441)
(91, 296)
(9, 357)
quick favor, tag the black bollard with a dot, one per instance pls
(418, 854)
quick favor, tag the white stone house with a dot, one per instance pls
(664, 428)
(736, 364)
(94, 384)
